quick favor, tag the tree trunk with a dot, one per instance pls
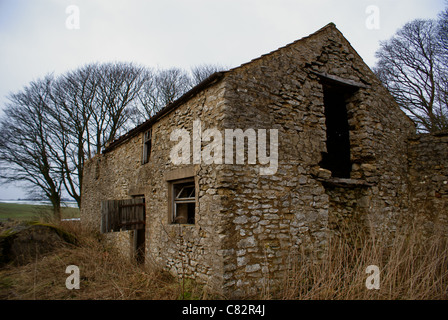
(56, 202)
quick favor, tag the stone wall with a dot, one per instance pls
(272, 217)
(428, 177)
(250, 226)
(192, 250)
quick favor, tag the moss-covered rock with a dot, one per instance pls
(25, 242)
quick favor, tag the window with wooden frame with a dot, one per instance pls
(183, 201)
(147, 137)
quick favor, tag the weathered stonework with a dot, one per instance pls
(428, 178)
(248, 226)
(193, 250)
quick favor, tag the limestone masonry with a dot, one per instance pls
(348, 159)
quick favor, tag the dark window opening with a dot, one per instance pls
(184, 202)
(147, 137)
(337, 157)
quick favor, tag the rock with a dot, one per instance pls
(323, 173)
(22, 243)
(253, 268)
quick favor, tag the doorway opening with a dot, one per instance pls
(139, 235)
(337, 157)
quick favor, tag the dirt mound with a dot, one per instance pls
(25, 242)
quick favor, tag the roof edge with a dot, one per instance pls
(215, 77)
(212, 79)
(327, 26)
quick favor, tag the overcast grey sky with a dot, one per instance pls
(39, 36)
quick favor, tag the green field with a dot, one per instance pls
(30, 212)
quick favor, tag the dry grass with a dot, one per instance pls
(411, 267)
(104, 274)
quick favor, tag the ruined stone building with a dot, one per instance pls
(346, 156)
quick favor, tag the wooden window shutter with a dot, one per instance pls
(122, 215)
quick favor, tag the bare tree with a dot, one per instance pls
(171, 84)
(119, 86)
(92, 107)
(164, 86)
(443, 59)
(54, 125)
(26, 146)
(201, 72)
(411, 66)
(443, 29)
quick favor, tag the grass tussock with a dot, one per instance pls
(104, 274)
(411, 267)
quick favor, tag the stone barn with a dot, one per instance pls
(225, 184)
